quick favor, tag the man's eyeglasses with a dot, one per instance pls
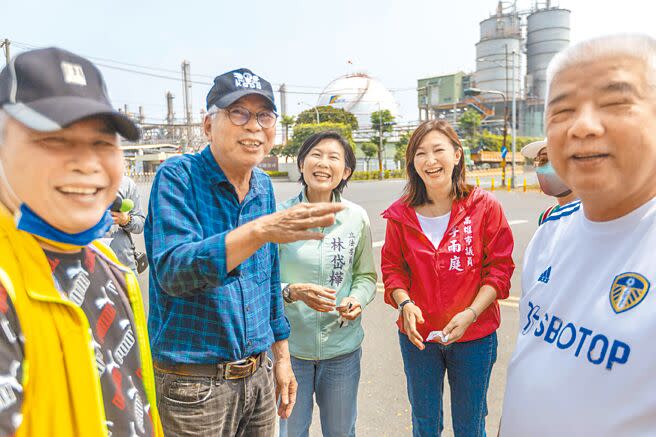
(241, 116)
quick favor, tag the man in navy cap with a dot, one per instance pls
(215, 300)
(74, 354)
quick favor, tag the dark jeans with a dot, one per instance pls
(201, 406)
(468, 366)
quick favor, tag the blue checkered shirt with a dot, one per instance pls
(199, 312)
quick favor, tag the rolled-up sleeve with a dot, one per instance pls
(279, 323)
(184, 262)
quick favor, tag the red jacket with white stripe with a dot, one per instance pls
(475, 250)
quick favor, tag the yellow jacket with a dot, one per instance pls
(62, 395)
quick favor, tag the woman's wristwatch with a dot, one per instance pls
(404, 303)
(287, 294)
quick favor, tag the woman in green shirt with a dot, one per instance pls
(326, 286)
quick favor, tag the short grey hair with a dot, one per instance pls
(212, 111)
(632, 45)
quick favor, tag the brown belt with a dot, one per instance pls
(233, 370)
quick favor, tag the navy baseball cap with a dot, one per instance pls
(235, 84)
(49, 89)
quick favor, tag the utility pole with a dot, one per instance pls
(505, 122)
(514, 122)
(380, 143)
(169, 108)
(283, 111)
(186, 95)
(283, 99)
(455, 104)
(5, 43)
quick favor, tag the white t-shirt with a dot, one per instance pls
(434, 227)
(585, 361)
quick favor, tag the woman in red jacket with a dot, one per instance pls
(445, 262)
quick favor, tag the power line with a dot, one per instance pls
(114, 61)
(132, 70)
(144, 73)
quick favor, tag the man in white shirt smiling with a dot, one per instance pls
(585, 355)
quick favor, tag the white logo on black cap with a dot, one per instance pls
(247, 80)
(73, 74)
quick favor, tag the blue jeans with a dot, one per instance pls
(468, 366)
(334, 382)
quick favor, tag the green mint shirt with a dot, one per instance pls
(342, 261)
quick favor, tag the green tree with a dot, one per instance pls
(381, 122)
(369, 150)
(470, 124)
(303, 131)
(286, 121)
(327, 114)
(402, 146)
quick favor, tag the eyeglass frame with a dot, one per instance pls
(214, 110)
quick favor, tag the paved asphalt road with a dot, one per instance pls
(383, 408)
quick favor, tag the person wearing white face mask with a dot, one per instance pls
(326, 288)
(74, 354)
(549, 181)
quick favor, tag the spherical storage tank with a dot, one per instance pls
(359, 94)
(547, 33)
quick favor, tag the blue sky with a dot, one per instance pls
(305, 44)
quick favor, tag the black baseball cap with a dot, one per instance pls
(235, 84)
(49, 89)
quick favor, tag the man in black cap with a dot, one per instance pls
(215, 300)
(74, 353)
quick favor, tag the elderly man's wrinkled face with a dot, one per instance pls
(242, 147)
(68, 177)
(601, 129)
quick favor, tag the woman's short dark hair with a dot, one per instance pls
(314, 140)
(415, 189)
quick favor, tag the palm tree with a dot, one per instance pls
(286, 121)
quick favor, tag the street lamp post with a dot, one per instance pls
(514, 110)
(514, 122)
(313, 107)
(476, 92)
(380, 143)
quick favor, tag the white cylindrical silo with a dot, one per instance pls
(500, 38)
(494, 65)
(547, 33)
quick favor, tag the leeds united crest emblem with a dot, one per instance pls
(627, 291)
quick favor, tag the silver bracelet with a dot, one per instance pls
(473, 311)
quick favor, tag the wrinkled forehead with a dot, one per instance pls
(88, 130)
(253, 102)
(595, 78)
